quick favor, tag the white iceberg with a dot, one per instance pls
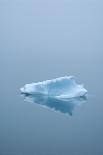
(63, 87)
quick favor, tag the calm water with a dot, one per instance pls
(42, 40)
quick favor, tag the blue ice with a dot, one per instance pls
(63, 87)
(61, 94)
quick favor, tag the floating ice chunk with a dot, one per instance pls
(63, 87)
(60, 94)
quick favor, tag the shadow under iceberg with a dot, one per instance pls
(65, 106)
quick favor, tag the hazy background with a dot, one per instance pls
(44, 39)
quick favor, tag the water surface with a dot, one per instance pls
(41, 40)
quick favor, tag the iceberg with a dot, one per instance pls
(61, 94)
(59, 88)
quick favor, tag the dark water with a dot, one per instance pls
(42, 40)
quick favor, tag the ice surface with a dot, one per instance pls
(63, 87)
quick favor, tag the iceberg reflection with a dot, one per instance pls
(65, 106)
